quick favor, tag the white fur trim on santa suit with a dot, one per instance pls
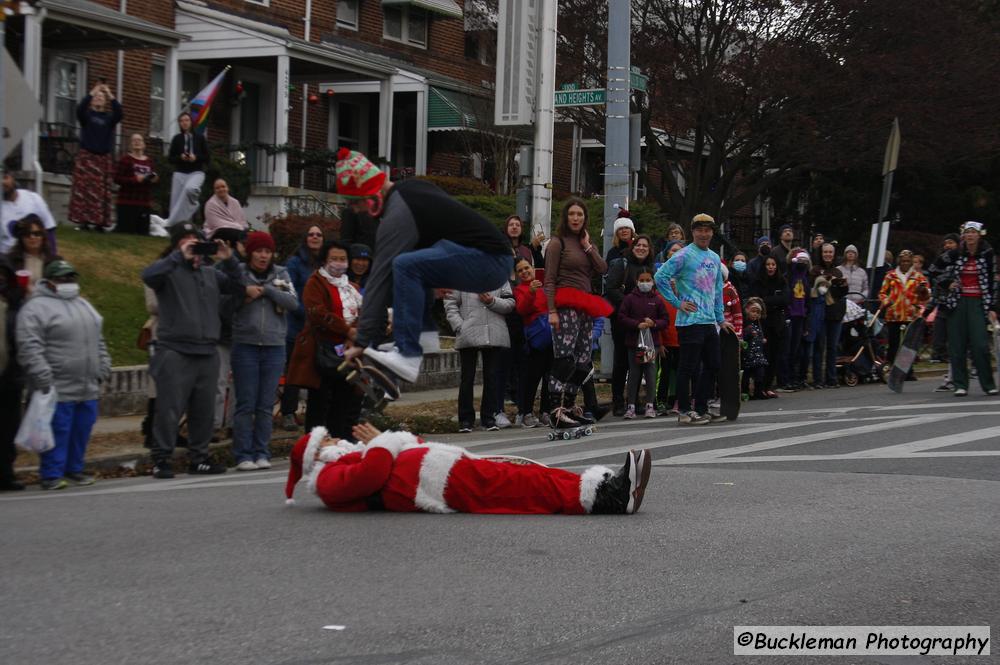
(393, 442)
(332, 454)
(435, 467)
(590, 480)
(316, 437)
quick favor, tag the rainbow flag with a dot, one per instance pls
(202, 102)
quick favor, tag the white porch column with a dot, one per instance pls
(171, 95)
(421, 165)
(33, 75)
(281, 101)
(385, 96)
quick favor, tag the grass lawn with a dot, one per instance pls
(109, 266)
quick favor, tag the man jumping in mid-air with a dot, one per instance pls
(426, 240)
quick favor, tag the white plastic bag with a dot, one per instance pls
(35, 433)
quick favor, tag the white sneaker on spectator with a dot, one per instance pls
(529, 421)
(502, 421)
(545, 420)
(405, 367)
(247, 465)
(263, 463)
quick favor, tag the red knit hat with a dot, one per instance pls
(356, 176)
(258, 240)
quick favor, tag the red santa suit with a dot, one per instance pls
(397, 471)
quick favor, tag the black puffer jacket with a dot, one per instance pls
(774, 292)
(623, 274)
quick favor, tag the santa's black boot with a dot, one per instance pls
(622, 493)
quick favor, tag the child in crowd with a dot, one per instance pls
(732, 307)
(798, 309)
(755, 353)
(642, 310)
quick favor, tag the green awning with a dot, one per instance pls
(450, 110)
(443, 7)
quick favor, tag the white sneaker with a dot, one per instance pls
(529, 421)
(405, 367)
(247, 465)
(502, 421)
(263, 463)
(429, 343)
(961, 392)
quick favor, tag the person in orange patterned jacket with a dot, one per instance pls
(904, 291)
(732, 306)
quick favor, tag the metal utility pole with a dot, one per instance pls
(616, 132)
(616, 138)
(541, 180)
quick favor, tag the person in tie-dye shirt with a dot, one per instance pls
(697, 273)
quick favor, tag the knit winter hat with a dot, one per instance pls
(624, 223)
(785, 227)
(801, 256)
(954, 237)
(258, 240)
(357, 177)
(851, 248)
(973, 225)
(763, 240)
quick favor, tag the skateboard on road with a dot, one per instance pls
(377, 385)
(730, 375)
(571, 432)
(906, 355)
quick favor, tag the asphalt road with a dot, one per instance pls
(845, 507)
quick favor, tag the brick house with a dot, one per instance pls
(394, 78)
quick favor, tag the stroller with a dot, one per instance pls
(864, 358)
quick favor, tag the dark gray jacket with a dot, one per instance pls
(189, 301)
(60, 345)
(262, 322)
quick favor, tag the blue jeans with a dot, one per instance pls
(443, 265)
(256, 371)
(71, 425)
(699, 346)
(826, 345)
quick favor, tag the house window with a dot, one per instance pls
(347, 14)
(262, 3)
(157, 85)
(405, 24)
(66, 82)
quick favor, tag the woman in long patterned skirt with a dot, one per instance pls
(90, 200)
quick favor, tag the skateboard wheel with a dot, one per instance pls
(552, 436)
(588, 431)
(566, 436)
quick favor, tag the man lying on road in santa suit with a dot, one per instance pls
(399, 472)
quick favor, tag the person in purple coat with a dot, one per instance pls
(642, 310)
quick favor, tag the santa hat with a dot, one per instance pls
(624, 220)
(302, 458)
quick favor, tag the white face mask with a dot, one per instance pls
(68, 291)
(336, 268)
(822, 290)
(645, 287)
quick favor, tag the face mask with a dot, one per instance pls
(336, 268)
(645, 287)
(764, 250)
(67, 291)
(822, 290)
(739, 266)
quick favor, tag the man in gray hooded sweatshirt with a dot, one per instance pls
(61, 348)
(185, 364)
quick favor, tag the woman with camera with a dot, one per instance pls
(90, 199)
(135, 176)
